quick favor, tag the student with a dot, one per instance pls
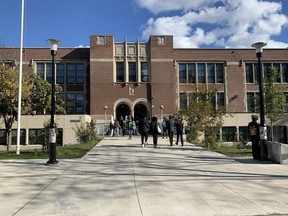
(170, 124)
(143, 126)
(179, 131)
(154, 130)
(254, 134)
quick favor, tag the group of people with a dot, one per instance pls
(167, 128)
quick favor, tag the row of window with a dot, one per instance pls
(74, 102)
(186, 98)
(252, 74)
(34, 136)
(201, 73)
(69, 73)
(134, 75)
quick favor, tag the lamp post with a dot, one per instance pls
(263, 129)
(161, 110)
(52, 131)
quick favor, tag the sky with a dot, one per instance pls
(193, 23)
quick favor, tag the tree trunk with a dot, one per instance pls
(8, 140)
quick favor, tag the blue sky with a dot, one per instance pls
(197, 23)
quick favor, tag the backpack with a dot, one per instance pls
(130, 124)
(252, 130)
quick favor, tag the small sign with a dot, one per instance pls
(52, 132)
(263, 132)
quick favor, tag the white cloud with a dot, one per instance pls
(226, 23)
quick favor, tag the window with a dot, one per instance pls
(229, 134)
(101, 40)
(285, 73)
(75, 103)
(201, 73)
(49, 72)
(249, 73)
(60, 73)
(79, 73)
(243, 134)
(211, 73)
(219, 73)
(132, 72)
(220, 99)
(183, 100)
(182, 73)
(120, 71)
(161, 40)
(191, 73)
(34, 136)
(251, 102)
(41, 70)
(144, 72)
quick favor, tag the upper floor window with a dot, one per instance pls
(120, 72)
(252, 72)
(161, 40)
(201, 73)
(132, 72)
(144, 72)
(101, 40)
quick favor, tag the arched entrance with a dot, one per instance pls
(122, 110)
(140, 110)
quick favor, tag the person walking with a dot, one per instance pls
(179, 131)
(130, 127)
(143, 126)
(170, 124)
(254, 134)
(154, 130)
(164, 128)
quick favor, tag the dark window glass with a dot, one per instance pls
(120, 72)
(183, 101)
(132, 72)
(79, 73)
(201, 73)
(191, 73)
(70, 71)
(182, 73)
(229, 134)
(219, 73)
(41, 70)
(249, 73)
(285, 72)
(211, 73)
(49, 72)
(60, 73)
(144, 72)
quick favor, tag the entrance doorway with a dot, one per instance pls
(140, 110)
(122, 110)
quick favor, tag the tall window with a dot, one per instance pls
(251, 101)
(201, 73)
(211, 73)
(285, 73)
(60, 74)
(219, 73)
(191, 73)
(182, 73)
(144, 72)
(75, 103)
(120, 72)
(229, 134)
(74, 73)
(183, 100)
(132, 72)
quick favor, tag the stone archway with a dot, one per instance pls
(140, 109)
(123, 110)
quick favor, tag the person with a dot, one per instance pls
(111, 126)
(116, 128)
(184, 122)
(179, 131)
(154, 130)
(164, 128)
(170, 124)
(254, 134)
(143, 126)
(122, 125)
(129, 126)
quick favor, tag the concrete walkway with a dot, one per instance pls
(120, 178)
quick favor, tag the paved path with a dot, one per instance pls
(119, 178)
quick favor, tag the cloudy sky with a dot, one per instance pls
(194, 23)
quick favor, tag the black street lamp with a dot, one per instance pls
(263, 129)
(52, 132)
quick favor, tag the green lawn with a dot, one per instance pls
(71, 151)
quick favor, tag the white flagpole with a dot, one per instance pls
(20, 81)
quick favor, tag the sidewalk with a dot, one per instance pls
(120, 178)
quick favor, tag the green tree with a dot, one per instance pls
(86, 132)
(40, 98)
(275, 100)
(203, 116)
(9, 98)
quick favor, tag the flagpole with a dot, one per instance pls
(20, 80)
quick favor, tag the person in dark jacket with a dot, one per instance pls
(154, 130)
(179, 131)
(170, 124)
(143, 126)
(254, 134)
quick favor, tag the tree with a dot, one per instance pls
(40, 98)
(275, 100)
(9, 100)
(203, 116)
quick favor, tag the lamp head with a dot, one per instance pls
(259, 46)
(53, 44)
(105, 107)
